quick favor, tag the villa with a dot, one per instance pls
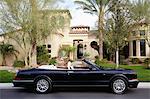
(81, 37)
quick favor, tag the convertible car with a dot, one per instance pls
(82, 74)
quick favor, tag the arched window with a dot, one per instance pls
(80, 51)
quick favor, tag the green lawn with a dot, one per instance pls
(6, 77)
(143, 74)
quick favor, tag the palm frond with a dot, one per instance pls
(88, 6)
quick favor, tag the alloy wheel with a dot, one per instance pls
(42, 85)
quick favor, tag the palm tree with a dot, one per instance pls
(99, 8)
(68, 50)
(7, 49)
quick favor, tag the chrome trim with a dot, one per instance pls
(134, 80)
(80, 85)
(23, 80)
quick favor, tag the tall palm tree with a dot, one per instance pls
(99, 8)
(7, 49)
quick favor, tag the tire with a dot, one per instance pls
(42, 85)
(119, 85)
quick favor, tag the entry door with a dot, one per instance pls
(80, 51)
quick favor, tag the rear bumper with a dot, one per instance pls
(133, 83)
(23, 83)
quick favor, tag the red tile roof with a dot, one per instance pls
(80, 26)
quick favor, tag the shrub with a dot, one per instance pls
(136, 61)
(6, 77)
(43, 59)
(123, 61)
(147, 62)
(52, 61)
(99, 62)
(86, 54)
(103, 61)
(19, 63)
(42, 55)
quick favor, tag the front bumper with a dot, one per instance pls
(133, 83)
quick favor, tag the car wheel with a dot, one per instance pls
(119, 85)
(43, 85)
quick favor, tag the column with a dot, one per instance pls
(147, 49)
(138, 48)
(130, 48)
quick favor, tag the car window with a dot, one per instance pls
(80, 65)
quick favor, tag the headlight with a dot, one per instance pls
(17, 71)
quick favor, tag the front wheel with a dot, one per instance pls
(43, 85)
(119, 85)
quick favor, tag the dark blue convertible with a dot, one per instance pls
(89, 74)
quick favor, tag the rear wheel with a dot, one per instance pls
(119, 85)
(43, 85)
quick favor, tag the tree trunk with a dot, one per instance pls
(117, 58)
(100, 28)
(26, 60)
(149, 57)
(30, 61)
(100, 46)
(32, 56)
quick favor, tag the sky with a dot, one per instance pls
(78, 16)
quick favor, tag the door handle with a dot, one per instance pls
(69, 72)
(104, 74)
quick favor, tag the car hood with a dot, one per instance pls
(121, 70)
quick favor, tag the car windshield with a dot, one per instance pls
(92, 64)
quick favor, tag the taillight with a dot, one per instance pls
(17, 78)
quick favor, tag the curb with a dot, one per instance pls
(144, 85)
(10, 85)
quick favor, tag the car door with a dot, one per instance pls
(59, 77)
(85, 77)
